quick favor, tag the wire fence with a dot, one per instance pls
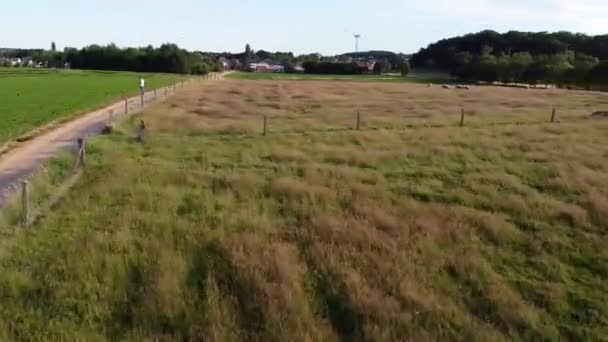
(267, 125)
(29, 211)
(358, 120)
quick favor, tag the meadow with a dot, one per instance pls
(413, 77)
(412, 228)
(30, 98)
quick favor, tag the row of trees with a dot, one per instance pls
(560, 68)
(560, 58)
(329, 68)
(316, 63)
(167, 58)
(384, 66)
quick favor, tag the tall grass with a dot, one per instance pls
(436, 233)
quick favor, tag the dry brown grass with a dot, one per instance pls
(233, 105)
(484, 232)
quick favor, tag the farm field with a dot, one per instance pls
(33, 97)
(413, 77)
(411, 228)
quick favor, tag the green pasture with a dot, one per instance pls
(33, 97)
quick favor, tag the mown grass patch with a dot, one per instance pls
(30, 98)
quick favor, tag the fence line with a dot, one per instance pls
(29, 214)
(400, 122)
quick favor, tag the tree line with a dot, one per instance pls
(315, 63)
(168, 58)
(559, 58)
(331, 68)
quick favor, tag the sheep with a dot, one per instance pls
(445, 86)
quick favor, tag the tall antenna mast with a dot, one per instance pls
(357, 37)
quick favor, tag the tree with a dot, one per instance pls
(487, 65)
(599, 73)
(581, 71)
(247, 57)
(327, 68)
(405, 69)
(503, 63)
(53, 47)
(463, 67)
(557, 67)
(264, 54)
(441, 54)
(536, 71)
(518, 65)
(382, 66)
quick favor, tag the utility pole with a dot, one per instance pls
(357, 37)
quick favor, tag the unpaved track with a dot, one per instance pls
(23, 160)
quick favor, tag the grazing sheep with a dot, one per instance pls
(600, 115)
(445, 86)
(430, 85)
(460, 86)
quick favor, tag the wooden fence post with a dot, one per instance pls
(141, 131)
(142, 99)
(80, 153)
(553, 115)
(358, 120)
(25, 215)
(462, 117)
(154, 93)
(126, 106)
(82, 150)
(265, 124)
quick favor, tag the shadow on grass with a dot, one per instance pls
(332, 298)
(212, 259)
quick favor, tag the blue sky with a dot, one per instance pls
(324, 26)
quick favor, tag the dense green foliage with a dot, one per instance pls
(561, 58)
(168, 58)
(405, 69)
(33, 97)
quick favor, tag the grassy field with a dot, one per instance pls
(33, 97)
(410, 229)
(414, 77)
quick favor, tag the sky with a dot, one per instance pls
(324, 26)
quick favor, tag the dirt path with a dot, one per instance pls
(24, 159)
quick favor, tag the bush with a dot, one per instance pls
(200, 69)
(405, 69)
(328, 68)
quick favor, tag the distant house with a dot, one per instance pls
(27, 61)
(229, 63)
(266, 67)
